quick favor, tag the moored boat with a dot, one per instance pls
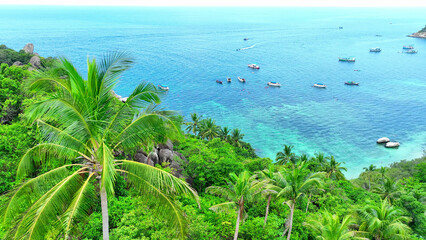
(408, 47)
(375, 49)
(411, 51)
(229, 80)
(347, 59)
(242, 79)
(163, 87)
(319, 85)
(220, 82)
(254, 66)
(274, 84)
(245, 39)
(352, 83)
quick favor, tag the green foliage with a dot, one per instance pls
(9, 56)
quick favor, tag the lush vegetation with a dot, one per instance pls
(67, 172)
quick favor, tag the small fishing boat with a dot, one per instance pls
(347, 59)
(408, 47)
(242, 79)
(245, 39)
(254, 66)
(163, 87)
(274, 84)
(411, 51)
(319, 85)
(352, 83)
(378, 35)
(340, 27)
(357, 70)
(375, 49)
(229, 80)
(220, 82)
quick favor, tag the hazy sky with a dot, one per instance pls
(323, 3)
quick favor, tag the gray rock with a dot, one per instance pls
(176, 169)
(383, 140)
(140, 156)
(29, 48)
(35, 61)
(392, 144)
(153, 157)
(180, 155)
(165, 155)
(167, 145)
(17, 63)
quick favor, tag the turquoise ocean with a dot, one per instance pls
(189, 48)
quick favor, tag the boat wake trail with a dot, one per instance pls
(240, 49)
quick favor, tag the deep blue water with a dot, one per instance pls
(189, 48)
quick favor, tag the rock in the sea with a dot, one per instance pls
(165, 155)
(392, 144)
(35, 61)
(419, 34)
(167, 145)
(383, 140)
(18, 63)
(29, 48)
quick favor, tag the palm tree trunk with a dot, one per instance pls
(105, 221)
(267, 210)
(290, 221)
(240, 214)
(309, 200)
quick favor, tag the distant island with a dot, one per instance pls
(419, 34)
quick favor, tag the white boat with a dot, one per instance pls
(411, 51)
(375, 49)
(254, 66)
(320, 85)
(242, 79)
(274, 84)
(229, 80)
(163, 87)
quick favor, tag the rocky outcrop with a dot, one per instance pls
(165, 155)
(35, 61)
(419, 34)
(167, 145)
(392, 144)
(383, 140)
(18, 63)
(123, 99)
(29, 48)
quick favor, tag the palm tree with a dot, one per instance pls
(320, 161)
(297, 183)
(208, 129)
(284, 156)
(82, 124)
(333, 168)
(329, 226)
(193, 126)
(236, 137)
(389, 188)
(384, 221)
(224, 133)
(382, 171)
(241, 189)
(369, 171)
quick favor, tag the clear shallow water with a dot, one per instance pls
(189, 48)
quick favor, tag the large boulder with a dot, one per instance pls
(167, 145)
(153, 157)
(18, 63)
(140, 156)
(29, 48)
(392, 144)
(176, 169)
(35, 61)
(180, 155)
(165, 155)
(383, 140)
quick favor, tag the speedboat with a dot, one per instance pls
(220, 82)
(375, 49)
(254, 66)
(229, 80)
(408, 47)
(242, 79)
(347, 59)
(319, 85)
(352, 83)
(274, 84)
(163, 87)
(411, 51)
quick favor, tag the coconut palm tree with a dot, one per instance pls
(297, 182)
(193, 126)
(236, 137)
(329, 226)
(384, 221)
(333, 169)
(208, 129)
(284, 156)
(369, 171)
(224, 133)
(389, 189)
(320, 160)
(382, 171)
(82, 124)
(241, 189)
